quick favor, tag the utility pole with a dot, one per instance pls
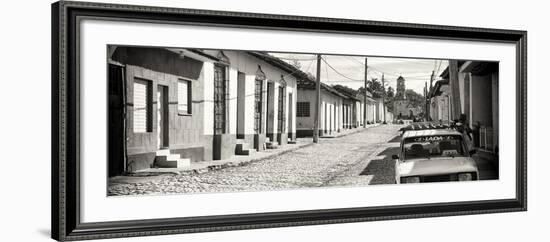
(365, 97)
(431, 80)
(384, 97)
(317, 101)
(455, 92)
(426, 115)
(428, 101)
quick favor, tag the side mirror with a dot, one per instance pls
(395, 157)
(473, 152)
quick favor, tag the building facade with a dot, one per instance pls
(335, 111)
(339, 109)
(439, 99)
(479, 102)
(170, 107)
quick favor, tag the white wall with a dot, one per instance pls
(232, 104)
(242, 62)
(26, 37)
(331, 100)
(208, 112)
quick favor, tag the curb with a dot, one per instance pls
(354, 132)
(240, 163)
(221, 166)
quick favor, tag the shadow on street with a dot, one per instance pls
(396, 139)
(382, 170)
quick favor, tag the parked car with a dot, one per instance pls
(434, 154)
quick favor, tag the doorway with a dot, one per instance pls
(269, 128)
(241, 98)
(290, 116)
(117, 120)
(162, 117)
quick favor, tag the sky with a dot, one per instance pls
(349, 70)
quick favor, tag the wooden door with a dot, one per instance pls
(162, 117)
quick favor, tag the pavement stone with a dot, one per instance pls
(357, 159)
(337, 161)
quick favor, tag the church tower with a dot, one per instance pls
(400, 89)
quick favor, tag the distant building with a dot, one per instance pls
(400, 89)
(339, 109)
(371, 109)
(439, 97)
(403, 108)
(334, 113)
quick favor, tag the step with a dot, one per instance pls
(177, 163)
(242, 146)
(167, 157)
(271, 145)
(244, 149)
(163, 152)
(246, 152)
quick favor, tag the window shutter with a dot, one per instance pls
(140, 106)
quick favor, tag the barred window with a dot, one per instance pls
(184, 97)
(302, 109)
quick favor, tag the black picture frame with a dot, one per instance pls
(65, 220)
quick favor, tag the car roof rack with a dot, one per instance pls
(425, 126)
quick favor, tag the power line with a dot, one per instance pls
(416, 77)
(437, 72)
(339, 73)
(326, 71)
(296, 59)
(309, 67)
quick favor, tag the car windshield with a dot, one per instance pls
(433, 146)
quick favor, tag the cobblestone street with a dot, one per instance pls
(361, 158)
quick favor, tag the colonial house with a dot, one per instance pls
(478, 89)
(335, 111)
(371, 109)
(263, 97)
(169, 107)
(439, 98)
(340, 109)
(350, 113)
(381, 111)
(478, 86)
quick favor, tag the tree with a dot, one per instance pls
(390, 93)
(376, 88)
(390, 96)
(346, 90)
(416, 99)
(311, 76)
(296, 64)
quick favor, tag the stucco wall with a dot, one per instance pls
(162, 67)
(481, 99)
(330, 112)
(248, 65)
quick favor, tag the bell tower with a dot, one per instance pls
(400, 89)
